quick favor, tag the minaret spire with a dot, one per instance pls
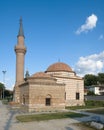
(21, 32)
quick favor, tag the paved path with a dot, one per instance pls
(9, 122)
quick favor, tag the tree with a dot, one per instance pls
(1, 89)
(101, 78)
(8, 93)
(90, 79)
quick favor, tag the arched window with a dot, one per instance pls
(48, 100)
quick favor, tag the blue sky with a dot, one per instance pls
(71, 31)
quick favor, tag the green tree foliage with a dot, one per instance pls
(1, 89)
(7, 93)
(101, 78)
(1, 85)
(90, 79)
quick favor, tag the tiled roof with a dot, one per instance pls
(59, 66)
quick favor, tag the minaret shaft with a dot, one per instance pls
(20, 51)
(19, 67)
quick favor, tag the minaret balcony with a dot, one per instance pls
(20, 49)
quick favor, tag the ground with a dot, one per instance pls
(9, 122)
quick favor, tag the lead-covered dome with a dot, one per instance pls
(59, 66)
(42, 77)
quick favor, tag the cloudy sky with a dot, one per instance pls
(70, 31)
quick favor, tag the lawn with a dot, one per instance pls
(49, 116)
(97, 111)
(81, 107)
(88, 105)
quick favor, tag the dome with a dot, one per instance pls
(59, 66)
(41, 75)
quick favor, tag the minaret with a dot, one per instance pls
(20, 51)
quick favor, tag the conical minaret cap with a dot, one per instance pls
(21, 32)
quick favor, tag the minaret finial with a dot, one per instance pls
(21, 32)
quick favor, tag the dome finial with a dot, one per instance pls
(59, 60)
(21, 32)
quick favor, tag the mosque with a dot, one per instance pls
(51, 90)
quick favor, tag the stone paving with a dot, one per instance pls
(9, 122)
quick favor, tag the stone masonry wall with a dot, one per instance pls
(38, 94)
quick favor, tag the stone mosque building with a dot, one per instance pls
(51, 90)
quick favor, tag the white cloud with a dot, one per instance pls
(101, 37)
(90, 23)
(91, 64)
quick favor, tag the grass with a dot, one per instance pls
(88, 105)
(80, 107)
(97, 111)
(50, 116)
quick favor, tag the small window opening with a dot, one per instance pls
(65, 95)
(48, 101)
(23, 99)
(77, 96)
